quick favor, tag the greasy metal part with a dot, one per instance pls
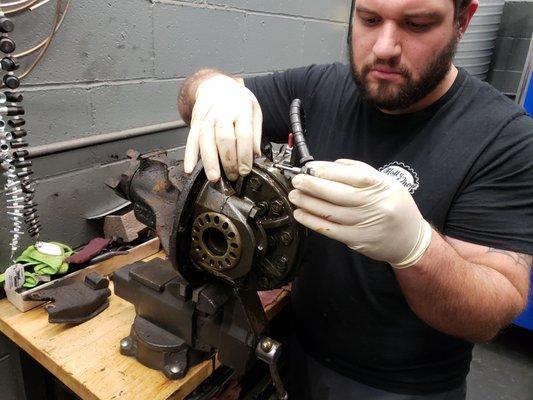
(76, 302)
(216, 241)
(225, 241)
(261, 241)
(180, 323)
(282, 237)
(222, 198)
(155, 184)
(269, 351)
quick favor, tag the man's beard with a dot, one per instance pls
(392, 97)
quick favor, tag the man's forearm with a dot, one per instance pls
(459, 297)
(187, 96)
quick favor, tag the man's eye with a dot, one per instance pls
(416, 27)
(368, 20)
(371, 21)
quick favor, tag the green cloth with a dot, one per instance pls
(42, 264)
(30, 280)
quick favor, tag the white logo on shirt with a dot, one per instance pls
(402, 173)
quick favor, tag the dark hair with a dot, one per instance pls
(460, 6)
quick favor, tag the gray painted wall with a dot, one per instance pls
(512, 45)
(117, 64)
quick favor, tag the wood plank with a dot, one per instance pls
(124, 226)
(273, 309)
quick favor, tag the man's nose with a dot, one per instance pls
(387, 45)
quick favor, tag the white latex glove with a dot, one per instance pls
(369, 211)
(226, 121)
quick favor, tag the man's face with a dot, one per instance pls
(400, 50)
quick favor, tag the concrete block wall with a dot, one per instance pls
(512, 45)
(116, 65)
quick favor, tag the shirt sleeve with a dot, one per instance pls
(275, 92)
(495, 206)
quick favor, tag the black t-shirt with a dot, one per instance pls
(468, 162)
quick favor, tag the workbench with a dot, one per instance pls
(86, 357)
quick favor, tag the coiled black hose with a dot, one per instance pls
(298, 131)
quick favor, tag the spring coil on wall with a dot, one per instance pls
(19, 188)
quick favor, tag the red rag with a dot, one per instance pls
(91, 249)
(268, 297)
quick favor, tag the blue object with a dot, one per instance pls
(526, 319)
(528, 102)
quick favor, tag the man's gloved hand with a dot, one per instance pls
(369, 211)
(226, 121)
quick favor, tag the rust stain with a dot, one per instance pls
(160, 185)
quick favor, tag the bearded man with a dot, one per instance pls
(420, 231)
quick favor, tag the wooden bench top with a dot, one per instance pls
(86, 357)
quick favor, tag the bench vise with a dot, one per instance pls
(224, 241)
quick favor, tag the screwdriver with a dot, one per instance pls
(296, 170)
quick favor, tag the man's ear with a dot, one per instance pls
(466, 17)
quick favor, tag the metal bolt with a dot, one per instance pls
(96, 281)
(266, 345)
(286, 238)
(125, 343)
(175, 369)
(264, 282)
(258, 210)
(281, 264)
(276, 206)
(255, 184)
(263, 205)
(254, 212)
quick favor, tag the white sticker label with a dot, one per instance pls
(14, 277)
